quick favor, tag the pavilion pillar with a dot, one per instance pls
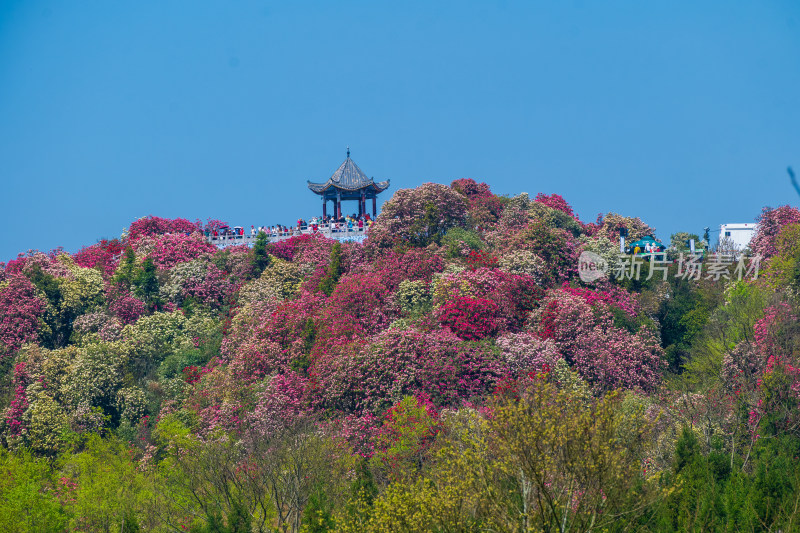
(324, 207)
(374, 208)
(338, 204)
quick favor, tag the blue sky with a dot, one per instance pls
(683, 113)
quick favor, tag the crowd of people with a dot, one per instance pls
(344, 224)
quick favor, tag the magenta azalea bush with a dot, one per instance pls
(176, 248)
(20, 310)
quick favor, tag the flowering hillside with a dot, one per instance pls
(452, 373)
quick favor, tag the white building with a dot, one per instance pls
(738, 235)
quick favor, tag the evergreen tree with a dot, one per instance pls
(239, 519)
(333, 272)
(59, 326)
(261, 259)
(317, 515)
(147, 283)
(126, 272)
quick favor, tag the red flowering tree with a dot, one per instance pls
(478, 259)
(470, 318)
(103, 256)
(394, 266)
(514, 294)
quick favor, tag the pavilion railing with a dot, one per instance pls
(342, 232)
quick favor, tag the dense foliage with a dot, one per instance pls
(452, 373)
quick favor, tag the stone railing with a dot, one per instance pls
(341, 234)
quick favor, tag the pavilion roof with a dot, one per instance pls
(348, 177)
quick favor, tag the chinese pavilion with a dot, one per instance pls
(349, 183)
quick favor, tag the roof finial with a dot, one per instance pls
(348, 150)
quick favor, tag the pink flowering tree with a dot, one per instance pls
(769, 226)
(606, 356)
(369, 377)
(775, 334)
(258, 345)
(177, 248)
(612, 223)
(126, 307)
(281, 404)
(419, 216)
(20, 311)
(484, 207)
(199, 281)
(408, 432)
(152, 225)
(361, 300)
(470, 188)
(555, 247)
(525, 352)
(13, 420)
(555, 201)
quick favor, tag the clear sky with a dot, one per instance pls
(684, 113)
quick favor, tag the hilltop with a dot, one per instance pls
(451, 372)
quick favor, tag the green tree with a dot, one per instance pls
(680, 242)
(261, 259)
(333, 272)
(28, 491)
(59, 327)
(568, 465)
(127, 271)
(694, 501)
(146, 283)
(110, 491)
